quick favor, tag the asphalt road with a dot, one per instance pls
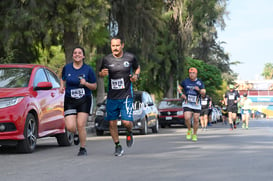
(219, 154)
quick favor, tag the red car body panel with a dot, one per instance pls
(45, 105)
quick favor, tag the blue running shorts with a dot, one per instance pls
(119, 109)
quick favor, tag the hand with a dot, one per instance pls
(197, 88)
(104, 72)
(62, 89)
(183, 96)
(133, 78)
(82, 81)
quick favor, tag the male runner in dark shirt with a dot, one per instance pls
(122, 69)
(232, 97)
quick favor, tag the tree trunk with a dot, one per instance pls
(70, 41)
(169, 93)
(100, 83)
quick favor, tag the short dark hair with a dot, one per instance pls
(79, 48)
(83, 52)
(118, 37)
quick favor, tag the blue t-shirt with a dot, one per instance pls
(193, 96)
(72, 77)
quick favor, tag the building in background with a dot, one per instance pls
(261, 94)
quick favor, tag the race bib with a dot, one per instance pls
(77, 93)
(204, 103)
(191, 98)
(117, 84)
(231, 97)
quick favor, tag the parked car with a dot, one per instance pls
(171, 112)
(145, 115)
(31, 106)
(216, 114)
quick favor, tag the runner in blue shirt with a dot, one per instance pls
(78, 79)
(192, 88)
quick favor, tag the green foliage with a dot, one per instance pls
(268, 71)
(160, 33)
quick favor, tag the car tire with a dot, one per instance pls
(155, 128)
(99, 132)
(28, 144)
(144, 129)
(65, 139)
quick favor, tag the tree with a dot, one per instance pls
(268, 71)
(29, 25)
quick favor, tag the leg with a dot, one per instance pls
(230, 118)
(247, 119)
(187, 117)
(202, 120)
(70, 123)
(114, 130)
(81, 123)
(195, 122)
(206, 120)
(128, 125)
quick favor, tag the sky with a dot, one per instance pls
(249, 36)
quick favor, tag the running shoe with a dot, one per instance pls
(194, 137)
(76, 139)
(188, 136)
(234, 126)
(82, 152)
(244, 125)
(118, 150)
(129, 139)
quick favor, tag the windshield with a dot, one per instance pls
(14, 77)
(170, 104)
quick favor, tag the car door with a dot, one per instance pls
(46, 103)
(149, 108)
(57, 102)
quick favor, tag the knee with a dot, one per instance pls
(71, 128)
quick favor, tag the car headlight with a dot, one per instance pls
(99, 113)
(179, 112)
(10, 101)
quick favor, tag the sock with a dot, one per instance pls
(231, 125)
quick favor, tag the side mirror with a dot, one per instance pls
(43, 86)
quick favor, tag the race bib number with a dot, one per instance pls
(77, 93)
(117, 84)
(191, 98)
(231, 97)
(204, 103)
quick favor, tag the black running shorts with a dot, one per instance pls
(73, 106)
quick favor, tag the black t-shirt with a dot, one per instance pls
(231, 97)
(205, 102)
(119, 84)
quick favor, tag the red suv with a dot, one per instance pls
(170, 112)
(31, 106)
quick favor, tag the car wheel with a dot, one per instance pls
(65, 139)
(155, 128)
(30, 133)
(99, 132)
(144, 129)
